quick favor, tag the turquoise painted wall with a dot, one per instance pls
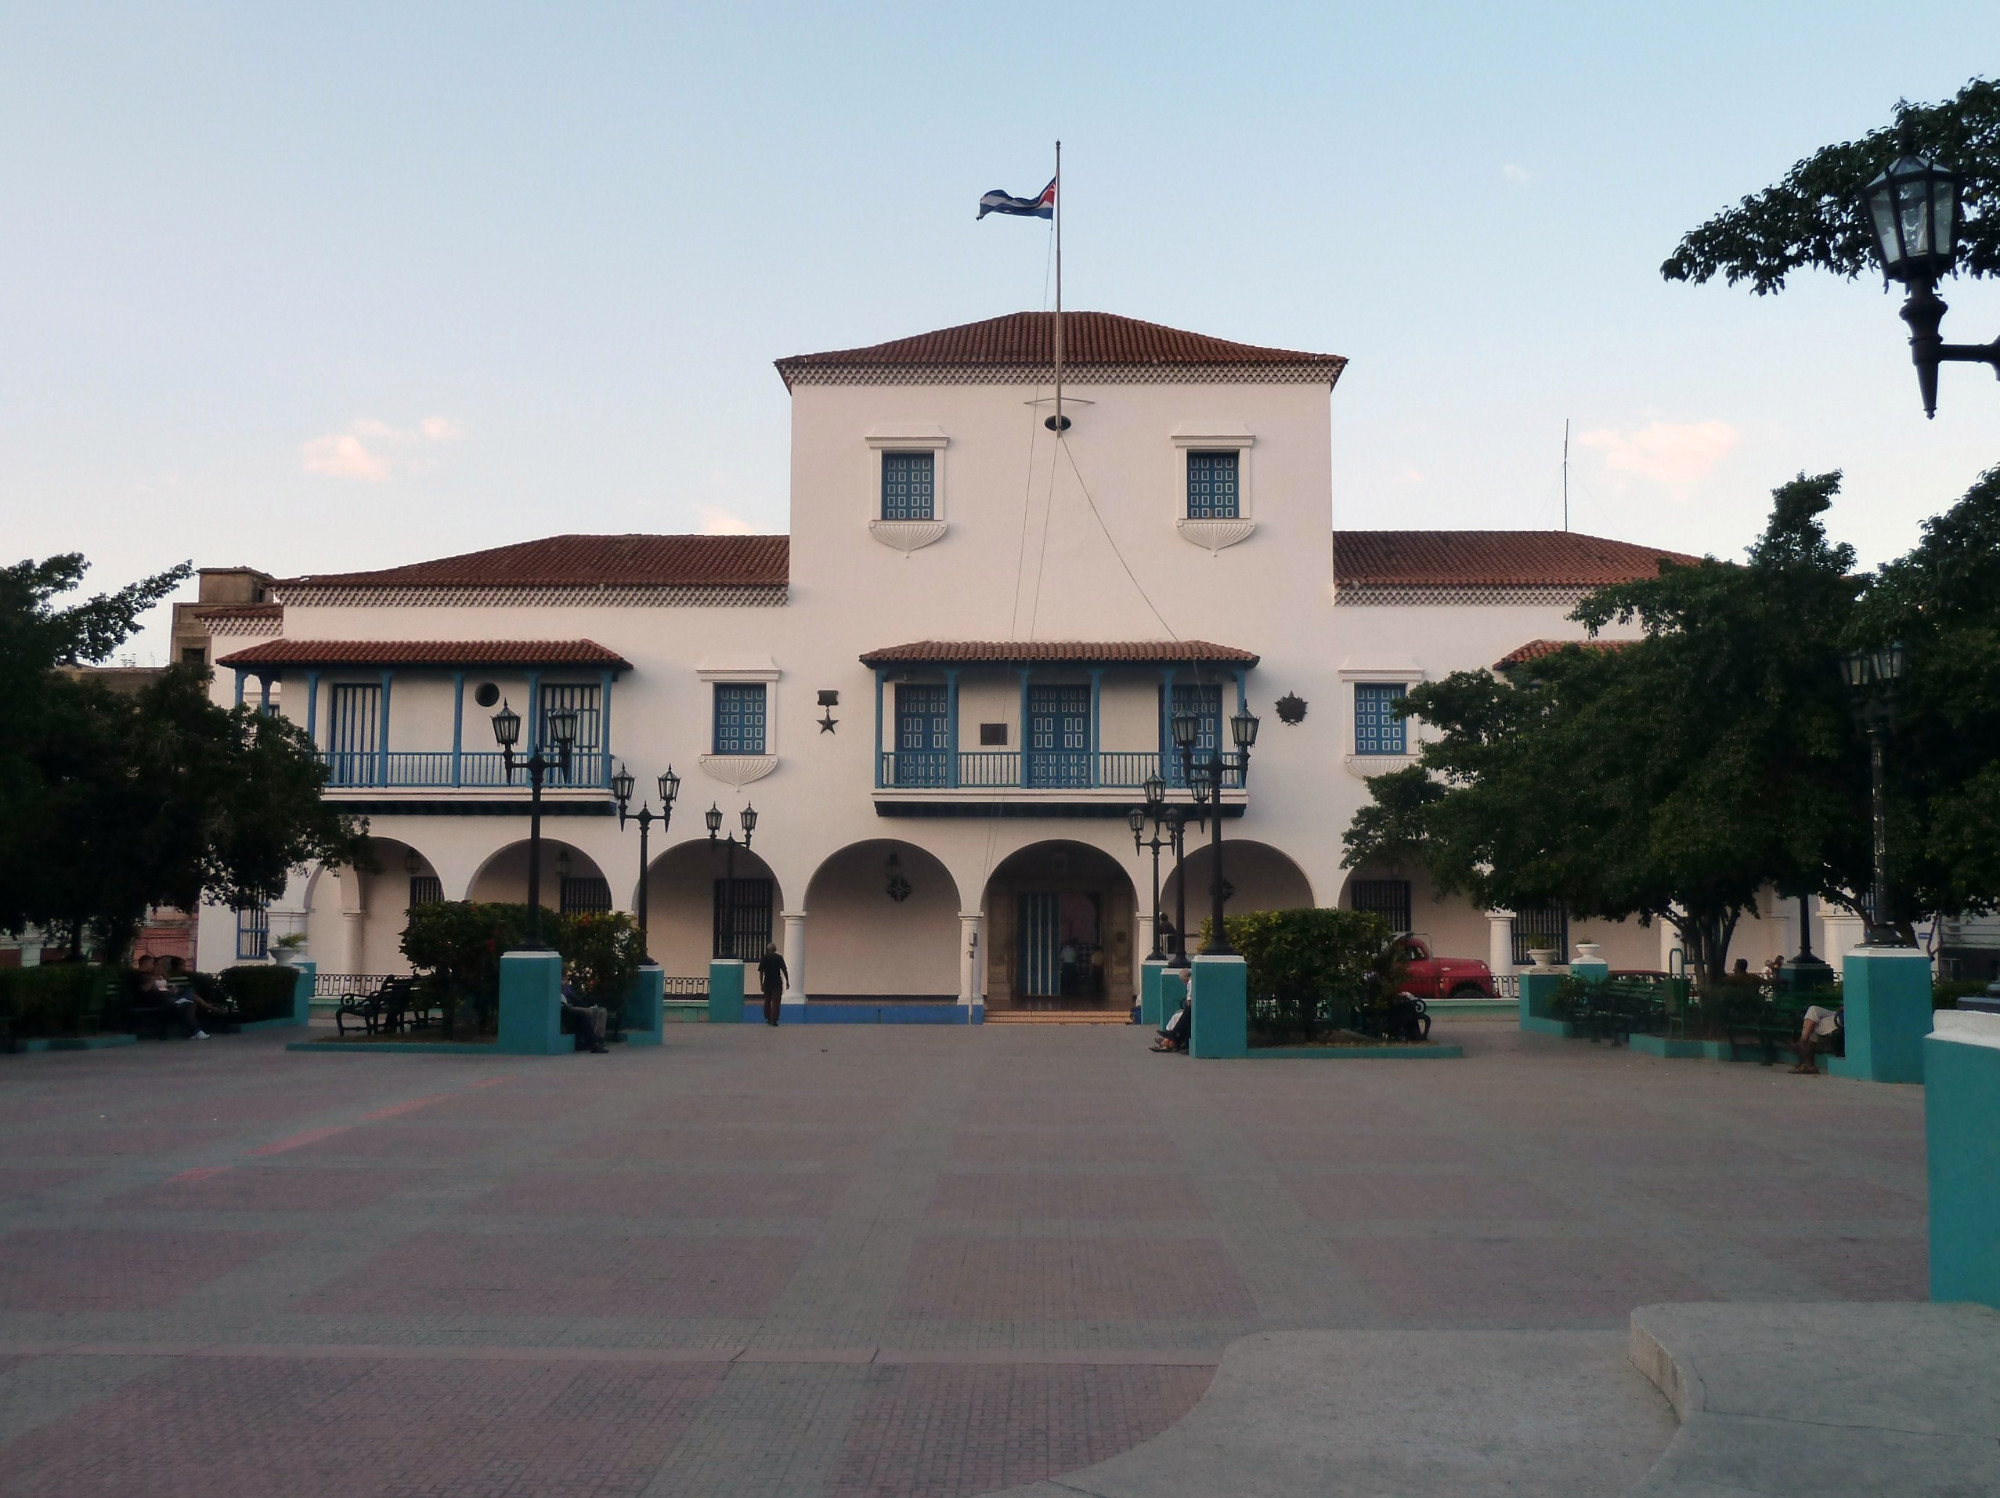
(725, 991)
(1150, 1013)
(531, 1005)
(645, 1006)
(1962, 1140)
(1886, 1011)
(1220, 1031)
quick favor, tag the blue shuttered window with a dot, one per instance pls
(1058, 737)
(1204, 705)
(1213, 491)
(253, 934)
(909, 486)
(584, 754)
(353, 742)
(1377, 728)
(923, 735)
(739, 717)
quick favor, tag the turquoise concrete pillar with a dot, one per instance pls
(1150, 975)
(1590, 970)
(1220, 1030)
(1885, 1002)
(1537, 988)
(725, 991)
(646, 1005)
(302, 992)
(531, 1005)
(1962, 1138)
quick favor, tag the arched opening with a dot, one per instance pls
(355, 918)
(688, 904)
(1450, 925)
(1061, 918)
(882, 923)
(571, 879)
(1256, 876)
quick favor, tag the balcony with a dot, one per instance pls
(441, 769)
(1040, 783)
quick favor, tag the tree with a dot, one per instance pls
(1814, 216)
(1670, 778)
(116, 803)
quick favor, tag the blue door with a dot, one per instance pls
(1204, 705)
(923, 736)
(353, 742)
(586, 753)
(1040, 966)
(1058, 739)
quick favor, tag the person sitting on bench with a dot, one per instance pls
(150, 987)
(1174, 1033)
(1820, 1024)
(590, 1019)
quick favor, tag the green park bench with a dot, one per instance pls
(1775, 1021)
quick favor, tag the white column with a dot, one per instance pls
(1500, 942)
(971, 960)
(795, 957)
(352, 932)
(1144, 937)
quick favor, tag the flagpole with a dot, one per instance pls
(1059, 316)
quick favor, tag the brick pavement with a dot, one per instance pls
(837, 1260)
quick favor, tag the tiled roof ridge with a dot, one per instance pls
(238, 610)
(426, 652)
(1491, 558)
(581, 560)
(1001, 652)
(1090, 339)
(1536, 650)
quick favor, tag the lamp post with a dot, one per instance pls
(1205, 779)
(1913, 209)
(621, 788)
(1156, 808)
(713, 819)
(1873, 674)
(561, 729)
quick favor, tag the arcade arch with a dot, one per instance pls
(685, 905)
(883, 923)
(1061, 919)
(1258, 876)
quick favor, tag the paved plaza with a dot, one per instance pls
(844, 1260)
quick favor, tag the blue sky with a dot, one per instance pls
(325, 287)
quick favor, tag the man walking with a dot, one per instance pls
(771, 977)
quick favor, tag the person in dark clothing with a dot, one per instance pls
(772, 978)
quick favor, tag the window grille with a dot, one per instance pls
(426, 889)
(353, 742)
(1538, 926)
(253, 934)
(739, 717)
(1378, 728)
(1388, 898)
(1213, 492)
(584, 895)
(588, 747)
(909, 486)
(752, 910)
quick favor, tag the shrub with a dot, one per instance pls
(601, 953)
(1310, 966)
(65, 998)
(260, 990)
(458, 944)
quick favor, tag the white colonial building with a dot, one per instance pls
(942, 692)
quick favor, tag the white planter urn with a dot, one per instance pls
(287, 956)
(1544, 958)
(1589, 951)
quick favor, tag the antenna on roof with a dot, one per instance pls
(1565, 473)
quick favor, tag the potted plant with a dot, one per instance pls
(1544, 958)
(1589, 951)
(288, 948)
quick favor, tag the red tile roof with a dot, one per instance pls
(1534, 650)
(1490, 559)
(557, 561)
(239, 611)
(426, 653)
(1059, 652)
(1089, 338)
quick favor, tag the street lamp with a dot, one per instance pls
(1913, 209)
(1205, 779)
(621, 789)
(713, 819)
(1873, 674)
(561, 728)
(1169, 819)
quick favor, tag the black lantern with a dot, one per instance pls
(1913, 209)
(562, 729)
(1243, 728)
(411, 863)
(1136, 820)
(899, 887)
(713, 817)
(621, 785)
(749, 820)
(670, 787)
(506, 726)
(1156, 790)
(1185, 726)
(1889, 663)
(1858, 666)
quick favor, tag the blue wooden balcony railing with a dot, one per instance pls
(403, 769)
(1049, 769)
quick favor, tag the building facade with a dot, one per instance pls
(941, 692)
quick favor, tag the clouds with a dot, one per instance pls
(1515, 174)
(374, 451)
(1676, 455)
(718, 522)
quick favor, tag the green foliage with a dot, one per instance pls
(113, 803)
(460, 942)
(260, 990)
(1307, 964)
(1814, 216)
(1670, 778)
(55, 999)
(601, 954)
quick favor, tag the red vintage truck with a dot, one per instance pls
(1431, 977)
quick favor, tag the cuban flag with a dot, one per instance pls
(997, 201)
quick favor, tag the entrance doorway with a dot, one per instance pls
(1061, 918)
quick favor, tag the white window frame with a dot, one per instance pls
(1406, 675)
(907, 536)
(739, 769)
(1218, 437)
